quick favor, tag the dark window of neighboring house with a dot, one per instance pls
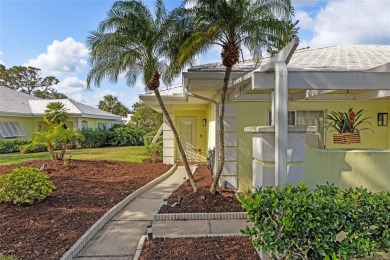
(84, 124)
(291, 117)
(10, 129)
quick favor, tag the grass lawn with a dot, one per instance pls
(125, 154)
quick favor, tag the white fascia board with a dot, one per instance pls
(376, 94)
(325, 80)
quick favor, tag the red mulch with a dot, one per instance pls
(202, 201)
(228, 248)
(85, 191)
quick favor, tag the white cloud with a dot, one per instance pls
(300, 3)
(305, 21)
(75, 89)
(65, 56)
(352, 22)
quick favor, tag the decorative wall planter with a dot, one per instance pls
(346, 138)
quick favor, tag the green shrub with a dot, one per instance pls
(325, 223)
(23, 146)
(3, 257)
(11, 146)
(123, 135)
(95, 137)
(25, 185)
(155, 151)
(32, 148)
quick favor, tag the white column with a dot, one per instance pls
(281, 123)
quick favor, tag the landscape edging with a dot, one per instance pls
(91, 232)
(201, 216)
(143, 239)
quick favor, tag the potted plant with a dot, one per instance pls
(347, 125)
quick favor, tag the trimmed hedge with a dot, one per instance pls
(324, 223)
(14, 146)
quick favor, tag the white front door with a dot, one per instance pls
(186, 131)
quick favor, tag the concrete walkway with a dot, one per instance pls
(119, 238)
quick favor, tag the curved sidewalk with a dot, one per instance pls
(118, 239)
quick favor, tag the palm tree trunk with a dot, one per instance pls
(221, 140)
(181, 150)
(51, 151)
(64, 146)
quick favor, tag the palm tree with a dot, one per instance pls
(55, 113)
(113, 105)
(132, 41)
(108, 103)
(232, 24)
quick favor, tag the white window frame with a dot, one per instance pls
(11, 129)
(84, 124)
(290, 113)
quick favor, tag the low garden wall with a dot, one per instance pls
(348, 168)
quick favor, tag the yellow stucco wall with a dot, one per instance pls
(30, 124)
(367, 168)
(256, 114)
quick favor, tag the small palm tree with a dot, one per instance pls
(55, 113)
(232, 24)
(132, 41)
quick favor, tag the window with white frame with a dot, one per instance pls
(9, 129)
(291, 117)
(84, 124)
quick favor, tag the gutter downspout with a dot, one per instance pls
(216, 125)
(280, 108)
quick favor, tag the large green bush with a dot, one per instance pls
(324, 223)
(23, 146)
(25, 185)
(127, 134)
(94, 138)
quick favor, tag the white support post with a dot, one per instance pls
(155, 138)
(281, 123)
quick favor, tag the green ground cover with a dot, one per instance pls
(124, 153)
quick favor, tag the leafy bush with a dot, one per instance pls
(12, 146)
(94, 137)
(155, 151)
(127, 135)
(25, 185)
(23, 146)
(325, 223)
(32, 148)
(3, 257)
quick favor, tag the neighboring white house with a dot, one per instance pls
(22, 114)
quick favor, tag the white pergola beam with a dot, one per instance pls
(325, 80)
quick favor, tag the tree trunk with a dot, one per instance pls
(181, 150)
(221, 141)
(51, 151)
(64, 146)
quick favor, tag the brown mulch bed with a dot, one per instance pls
(202, 201)
(85, 191)
(199, 248)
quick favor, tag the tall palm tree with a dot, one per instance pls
(55, 113)
(108, 103)
(232, 24)
(132, 41)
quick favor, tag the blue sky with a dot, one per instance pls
(51, 35)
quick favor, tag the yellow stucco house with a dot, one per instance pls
(21, 115)
(301, 87)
